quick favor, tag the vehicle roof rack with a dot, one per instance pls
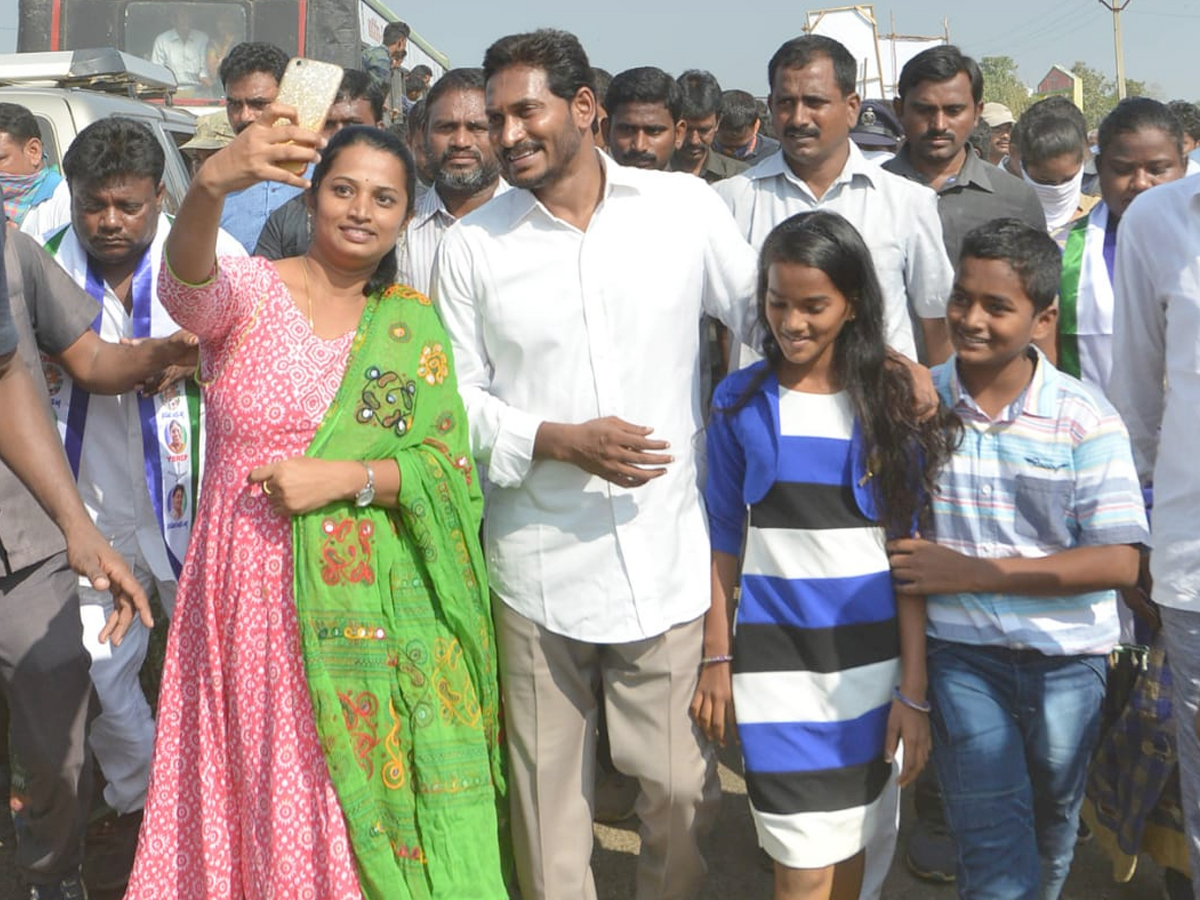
(99, 69)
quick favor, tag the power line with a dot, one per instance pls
(1022, 31)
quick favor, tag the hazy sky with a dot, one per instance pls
(734, 40)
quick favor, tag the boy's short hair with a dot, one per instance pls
(1031, 252)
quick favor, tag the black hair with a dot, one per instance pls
(557, 53)
(701, 94)
(423, 70)
(904, 454)
(250, 57)
(18, 123)
(601, 79)
(1031, 252)
(414, 81)
(393, 31)
(765, 128)
(1188, 115)
(739, 110)
(1051, 128)
(112, 148)
(1140, 114)
(938, 64)
(455, 81)
(645, 84)
(802, 51)
(981, 138)
(350, 136)
(358, 85)
(418, 115)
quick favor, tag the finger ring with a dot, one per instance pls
(266, 488)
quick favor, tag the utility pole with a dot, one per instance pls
(1117, 9)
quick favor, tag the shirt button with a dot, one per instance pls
(986, 490)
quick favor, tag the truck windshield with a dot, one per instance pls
(190, 39)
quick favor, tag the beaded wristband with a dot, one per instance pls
(911, 704)
(713, 660)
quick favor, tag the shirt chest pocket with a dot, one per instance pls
(1042, 510)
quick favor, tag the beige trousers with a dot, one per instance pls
(550, 685)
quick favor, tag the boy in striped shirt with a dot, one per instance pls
(1037, 519)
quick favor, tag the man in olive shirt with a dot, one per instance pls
(701, 112)
(939, 100)
(45, 533)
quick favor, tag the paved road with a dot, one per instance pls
(735, 872)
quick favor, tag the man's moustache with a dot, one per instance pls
(635, 157)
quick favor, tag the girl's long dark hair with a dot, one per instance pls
(904, 454)
(385, 272)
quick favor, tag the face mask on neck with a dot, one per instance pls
(1059, 201)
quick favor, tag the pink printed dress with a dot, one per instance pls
(241, 806)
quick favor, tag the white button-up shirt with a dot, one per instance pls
(897, 218)
(187, 59)
(553, 324)
(424, 235)
(1156, 285)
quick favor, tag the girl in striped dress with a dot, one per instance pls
(820, 446)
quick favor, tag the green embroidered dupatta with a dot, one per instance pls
(395, 623)
(1068, 297)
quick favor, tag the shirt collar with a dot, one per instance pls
(1039, 400)
(973, 171)
(430, 205)
(856, 166)
(617, 179)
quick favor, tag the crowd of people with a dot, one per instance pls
(534, 430)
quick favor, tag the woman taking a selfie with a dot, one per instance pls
(328, 719)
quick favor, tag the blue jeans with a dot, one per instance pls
(1013, 732)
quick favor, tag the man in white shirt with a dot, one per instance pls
(464, 165)
(1155, 386)
(129, 452)
(183, 50)
(813, 106)
(572, 303)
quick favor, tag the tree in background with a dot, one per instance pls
(1100, 92)
(1002, 84)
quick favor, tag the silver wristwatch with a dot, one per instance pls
(367, 494)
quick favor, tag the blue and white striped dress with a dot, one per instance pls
(816, 646)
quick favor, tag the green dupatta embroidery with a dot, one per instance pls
(395, 625)
(1068, 298)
